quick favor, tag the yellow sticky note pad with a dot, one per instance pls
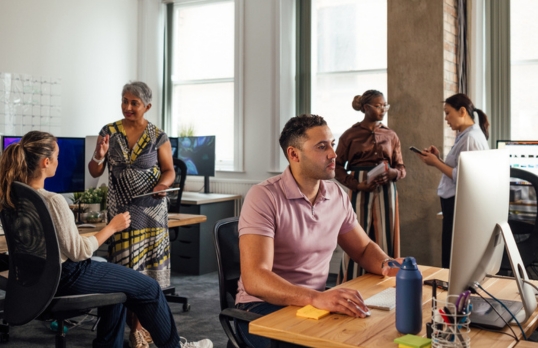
(412, 341)
(312, 312)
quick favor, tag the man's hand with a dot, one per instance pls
(341, 300)
(391, 271)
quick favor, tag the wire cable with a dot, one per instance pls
(504, 306)
(499, 314)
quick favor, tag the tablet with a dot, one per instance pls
(156, 192)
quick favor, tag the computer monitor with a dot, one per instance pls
(523, 153)
(198, 153)
(480, 225)
(69, 175)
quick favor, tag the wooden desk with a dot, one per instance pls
(174, 220)
(379, 329)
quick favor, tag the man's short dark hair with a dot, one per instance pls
(295, 130)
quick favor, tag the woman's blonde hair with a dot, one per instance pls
(20, 162)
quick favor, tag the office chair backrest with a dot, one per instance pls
(181, 175)
(531, 178)
(34, 255)
(226, 237)
(525, 233)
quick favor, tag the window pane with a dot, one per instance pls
(334, 94)
(523, 30)
(204, 41)
(203, 74)
(349, 35)
(524, 69)
(209, 110)
(524, 123)
(349, 56)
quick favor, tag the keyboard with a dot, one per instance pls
(385, 300)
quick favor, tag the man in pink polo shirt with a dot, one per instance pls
(289, 227)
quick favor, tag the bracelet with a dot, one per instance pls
(99, 162)
(385, 261)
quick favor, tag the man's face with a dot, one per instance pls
(317, 156)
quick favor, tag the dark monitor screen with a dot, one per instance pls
(69, 175)
(523, 153)
(198, 153)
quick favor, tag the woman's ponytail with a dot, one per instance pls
(483, 122)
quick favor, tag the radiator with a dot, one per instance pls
(227, 186)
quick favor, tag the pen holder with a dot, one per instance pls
(450, 328)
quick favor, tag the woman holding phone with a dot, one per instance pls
(471, 136)
(361, 148)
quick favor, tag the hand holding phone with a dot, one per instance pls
(414, 149)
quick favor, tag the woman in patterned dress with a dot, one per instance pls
(360, 148)
(139, 158)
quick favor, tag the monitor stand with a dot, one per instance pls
(526, 291)
(206, 184)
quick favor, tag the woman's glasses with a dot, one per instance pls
(380, 107)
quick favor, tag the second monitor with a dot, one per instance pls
(198, 153)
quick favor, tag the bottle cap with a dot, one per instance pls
(409, 263)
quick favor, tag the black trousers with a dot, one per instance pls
(447, 206)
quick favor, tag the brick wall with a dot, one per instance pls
(450, 63)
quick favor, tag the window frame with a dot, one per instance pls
(238, 79)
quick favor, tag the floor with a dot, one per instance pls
(200, 322)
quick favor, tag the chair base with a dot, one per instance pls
(172, 297)
(4, 332)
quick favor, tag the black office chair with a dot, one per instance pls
(525, 232)
(175, 203)
(35, 267)
(226, 238)
(181, 175)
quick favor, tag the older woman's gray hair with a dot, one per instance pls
(139, 89)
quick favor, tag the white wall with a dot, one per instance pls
(97, 46)
(90, 45)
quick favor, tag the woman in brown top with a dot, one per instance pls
(362, 147)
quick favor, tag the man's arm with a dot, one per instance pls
(259, 280)
(365, 251)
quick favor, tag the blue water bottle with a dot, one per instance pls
(409, 297)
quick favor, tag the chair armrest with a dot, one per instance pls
(239, 314)
(226, 317)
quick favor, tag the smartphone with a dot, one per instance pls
(414, 149)
(441, 284)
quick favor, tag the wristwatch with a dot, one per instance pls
(385, 261)
(99, 162)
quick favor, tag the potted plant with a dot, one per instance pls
(93, 199)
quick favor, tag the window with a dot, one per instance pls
(524, 69)
(349, 56)
(204, 76)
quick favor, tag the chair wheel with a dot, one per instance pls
(186, 307)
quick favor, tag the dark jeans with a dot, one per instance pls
(264, 308)
(447, 206)
(144, 297)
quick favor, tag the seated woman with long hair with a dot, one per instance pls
(31, 161)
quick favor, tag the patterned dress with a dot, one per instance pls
(144, 246)
(359, 150)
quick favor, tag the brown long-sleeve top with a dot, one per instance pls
(360, 147)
